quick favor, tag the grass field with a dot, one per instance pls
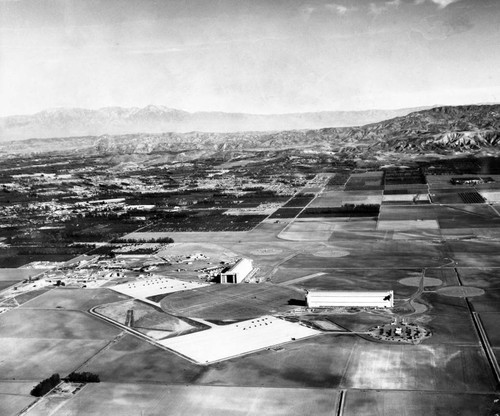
(146, 317)
(222, 302)
(155, 400)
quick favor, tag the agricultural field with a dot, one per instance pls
(365, 181)
(164, 340)
(416, 403)
(74, 299)
(156, 400)
(204, 220)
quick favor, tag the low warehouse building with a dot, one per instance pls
(238, 272)
(333, 298)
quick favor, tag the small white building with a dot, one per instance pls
(334, 298)
(238, 272)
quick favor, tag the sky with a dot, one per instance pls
(254, 56)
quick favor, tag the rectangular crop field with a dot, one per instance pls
(204, 220)
(38, 358)
(286, 213)
(174, 400)
(416, 403)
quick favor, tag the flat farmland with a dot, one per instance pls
(154, 400)
(408, 213)
(476, 254)
(354, 279)
(53, 324)
(221, 302)
(6, 283)
(407, 198)
(344, 213)
(339, 198)
(286, 213)
(10, 274)
(417, 403)
(468, 216)
(362, 181)
(490, 323)
(419, 367)
(299, 200)
(405, 188)
(204, 220)
(366, 254)
(131, 359)
(38, 358)
(300, 230)
(403, 225)
(74, 299)
(448, 196)
(491, 196)
(449, 321)
(486, 279)
(12, 404)
(323, 201)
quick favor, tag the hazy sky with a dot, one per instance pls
(251, 56)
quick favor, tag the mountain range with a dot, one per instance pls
(444, 130)
(67, 122)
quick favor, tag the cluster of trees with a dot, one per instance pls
(46, 385)
(145, 240)
(85, 377)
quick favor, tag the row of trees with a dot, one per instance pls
(48, 384)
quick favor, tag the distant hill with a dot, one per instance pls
(68, 122)
(442, 129)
